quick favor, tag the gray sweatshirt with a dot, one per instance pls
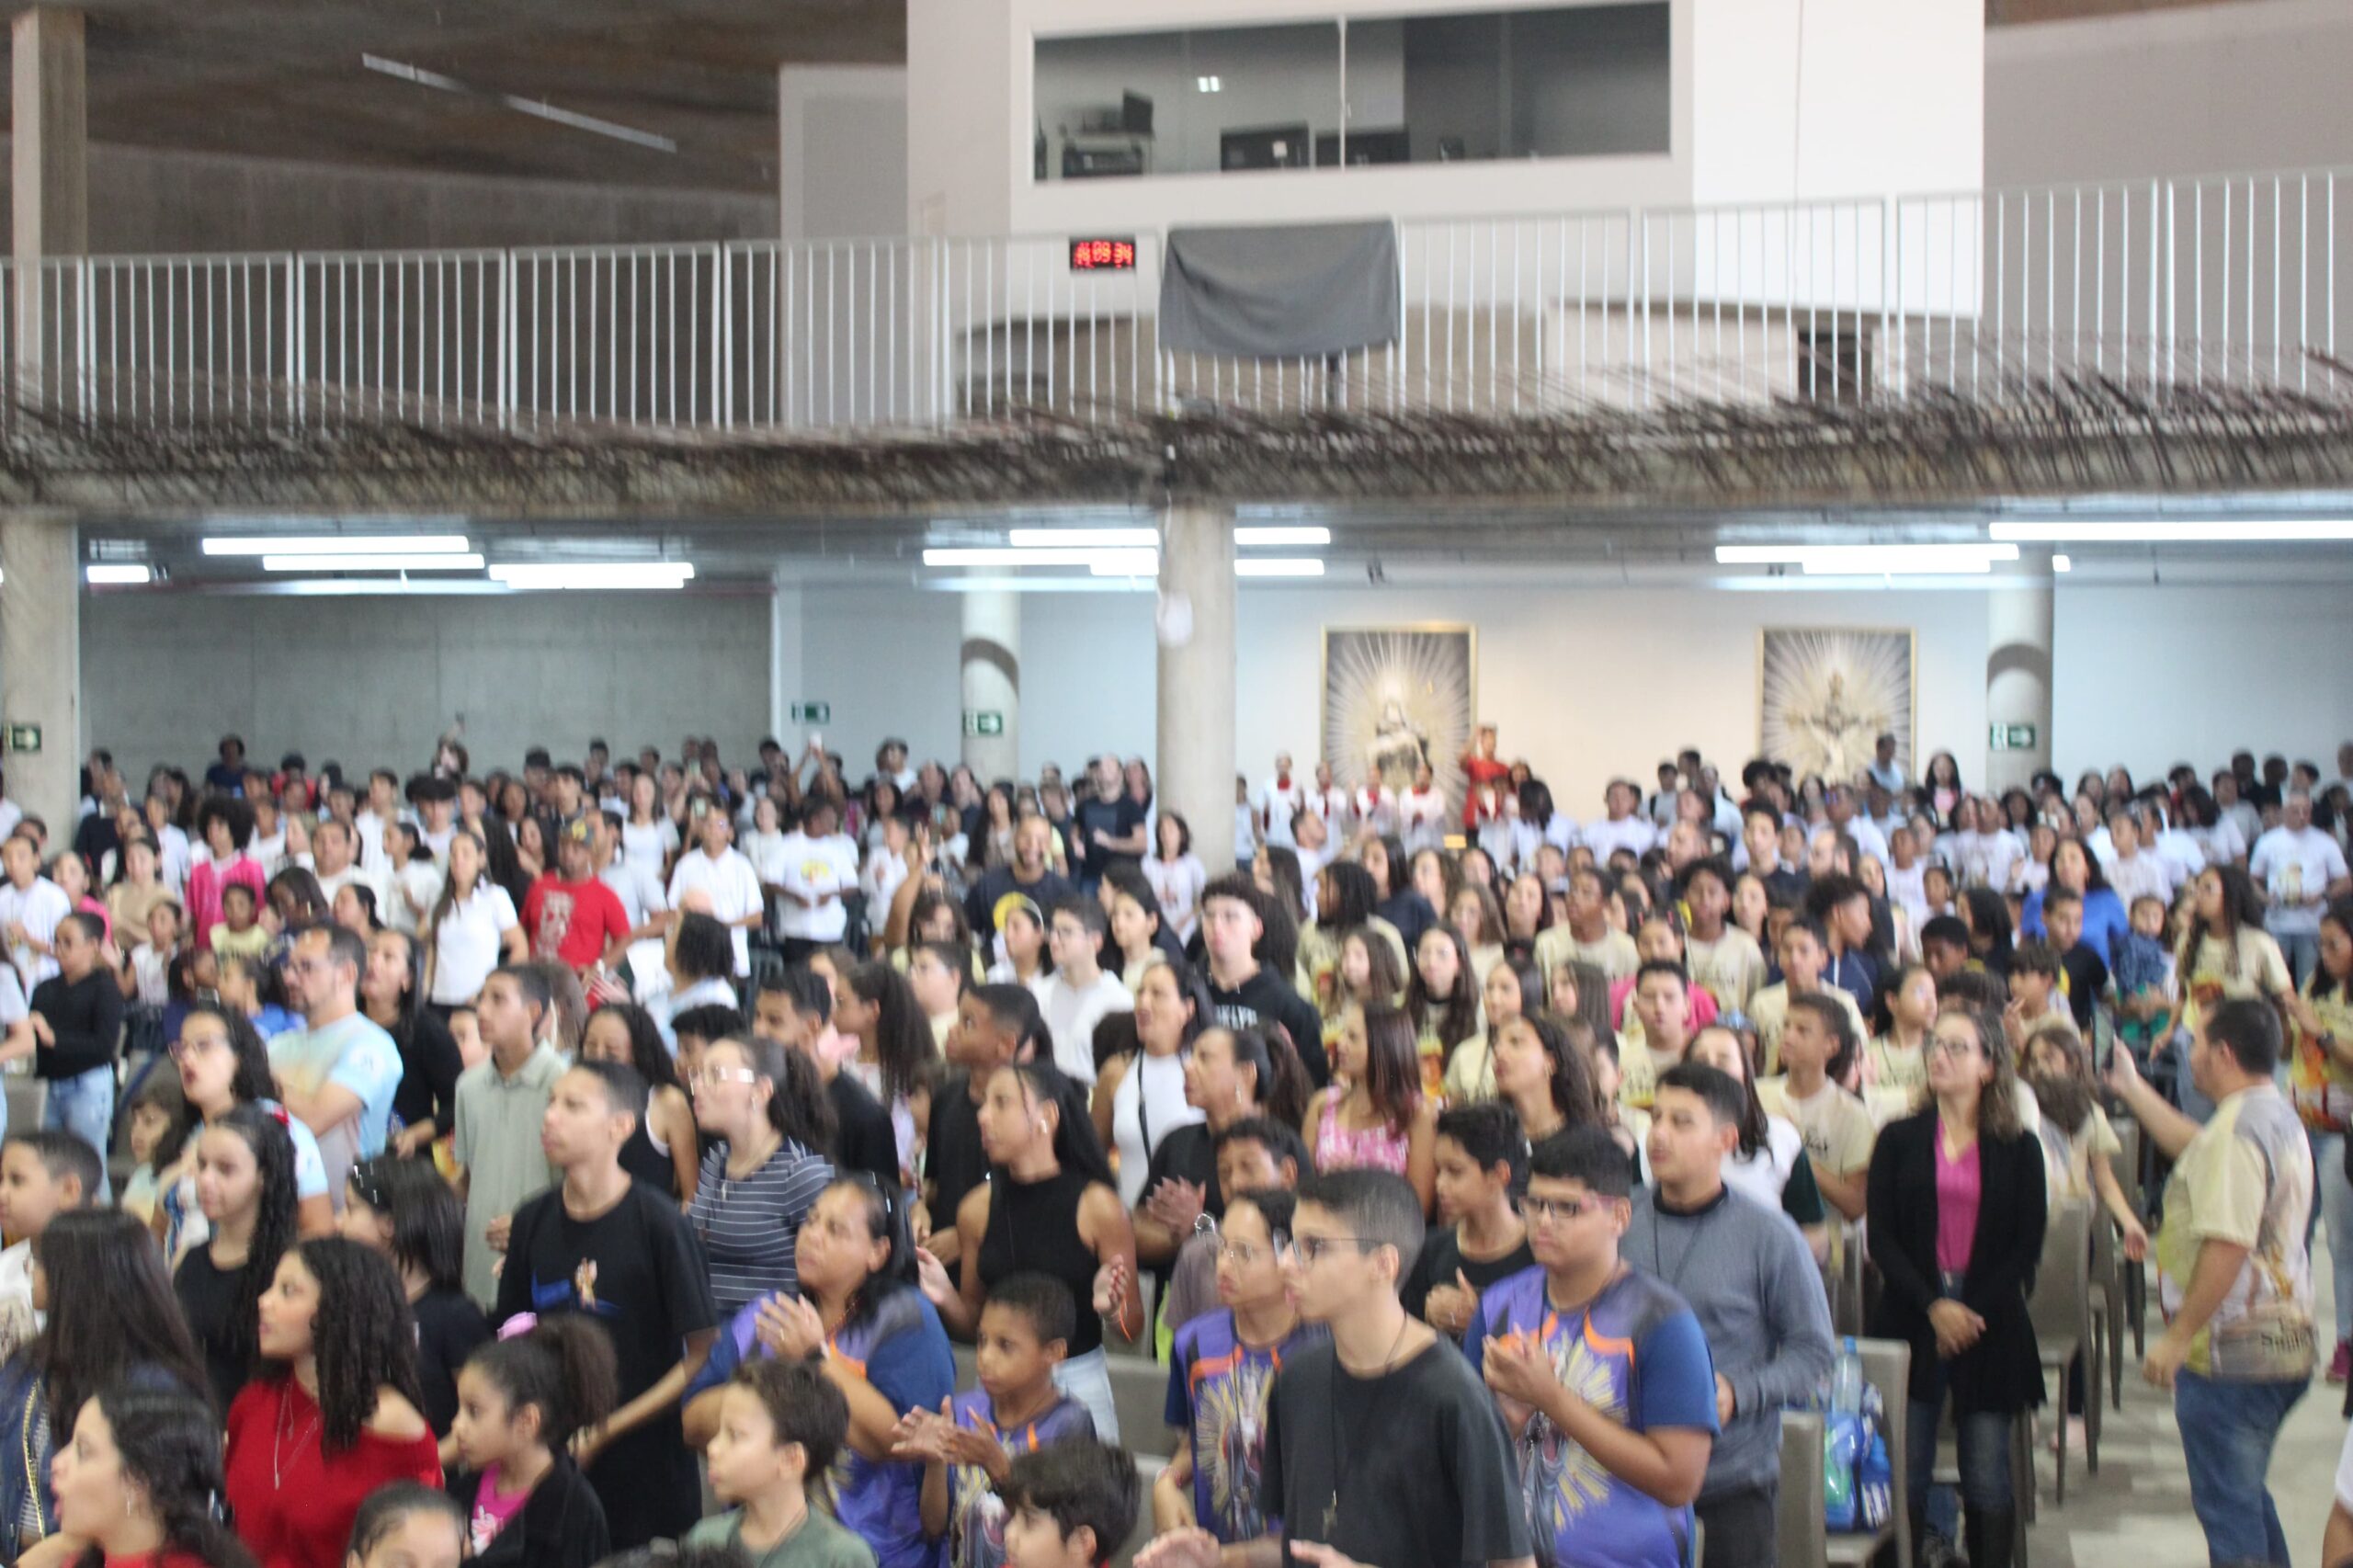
(1750, 1279)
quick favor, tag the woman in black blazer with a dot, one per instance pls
(1957, 1293)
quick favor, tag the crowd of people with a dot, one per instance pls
(503, 1165)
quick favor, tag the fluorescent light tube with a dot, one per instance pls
(2062, 564)
(994, 555)
(105, 573)
(594, 574)
(1868, 557)
(1279, 566)
(2275, 531)
(1250, 538)
(1085, 539)
(469, 562)
(340, 544)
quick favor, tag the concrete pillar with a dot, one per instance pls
(785, 667)
(991, 683)
(1196, 625)
(51, 170)
(40, 662)
(2018, 670)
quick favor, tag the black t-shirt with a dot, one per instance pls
(2086, 978)
(1188, 1154)
(429, 1068)
(955, 1161)
(636, 1269)
(863, 1139)
(1263, 1000)
(207, 1297)
(449, 1328)
(1442, 1258)
(1405, 1470)
(979, 904)
(1119, 818)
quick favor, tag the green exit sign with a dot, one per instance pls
(812, 712)
(2011, 737)
(23, 737)
(984, 721)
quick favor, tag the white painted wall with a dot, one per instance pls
(369, 681)
(961, 125)
(842, 151)
(2151, 676)
(2196, 89)
(1836, 98)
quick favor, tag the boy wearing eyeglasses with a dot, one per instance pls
(1601, 1372)
(1220, 1371)
(1382, 1448)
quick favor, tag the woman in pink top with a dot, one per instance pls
(1374, 1116)
(227, 825)
(1955, 1206)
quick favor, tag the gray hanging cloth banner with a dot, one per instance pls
(1281, 292)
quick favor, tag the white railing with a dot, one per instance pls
(2153, 292)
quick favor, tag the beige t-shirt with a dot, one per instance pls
(1614, 955)
(1837, 1127)
(1769, 1011)
(2067, 1161)
(1732, 967)
(1899, 1078)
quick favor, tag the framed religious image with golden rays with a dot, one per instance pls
(1826, 694)
(1395, 698)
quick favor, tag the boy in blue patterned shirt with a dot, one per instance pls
(1602, 1374)
(971, 1444)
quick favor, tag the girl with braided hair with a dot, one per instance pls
(336, 1411)
(141, 1482)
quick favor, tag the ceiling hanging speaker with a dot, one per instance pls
(1172, 618)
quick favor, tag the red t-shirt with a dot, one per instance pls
(572, 921)
(294, 1502)
(1481, 771)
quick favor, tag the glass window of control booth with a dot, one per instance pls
(1531, 82)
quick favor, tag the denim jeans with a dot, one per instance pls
(83, 1105)
(1983, 1439)
(2227, 1432)
(2301, 950)
(1087, 1379)
(2333, 1201)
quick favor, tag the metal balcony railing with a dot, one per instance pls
(2156, 291)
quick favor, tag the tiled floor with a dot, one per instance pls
(2135, 1512)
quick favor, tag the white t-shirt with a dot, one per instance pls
(817, 867)
(1763, 1174)
(1375, 805)
(468, 942)
(1278, 804)
(17, 1283)
(38, 908)
(734, 889)
(1606, 838)
(1072, 1013)
(1176, 886)
(882, 878)
(639, 889)
(1983, 859)
(2222, 842)
(367, 829)
(1869, 840)
(415, 886)
(1421, 819)
(2143, 876)
(767, 852)
(150, 968)
(650, 844)
(2295, 869)
(1332, 805)
(331, 884)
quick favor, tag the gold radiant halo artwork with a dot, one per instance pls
(1394, 696)
(1826, 694)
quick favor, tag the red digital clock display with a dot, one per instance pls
(1103, 255)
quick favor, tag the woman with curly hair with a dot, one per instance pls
(337, 1410)
(663, 1152)
(111, 1317)
(141, 1482)
(244, 1183)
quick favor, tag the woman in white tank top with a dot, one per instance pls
(1139, 1098)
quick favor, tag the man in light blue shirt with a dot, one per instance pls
(338, 1074)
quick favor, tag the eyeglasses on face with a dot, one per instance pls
(1311, 1249)
(1544, 1210)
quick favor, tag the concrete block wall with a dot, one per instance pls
(147, 200)
(376, 681)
